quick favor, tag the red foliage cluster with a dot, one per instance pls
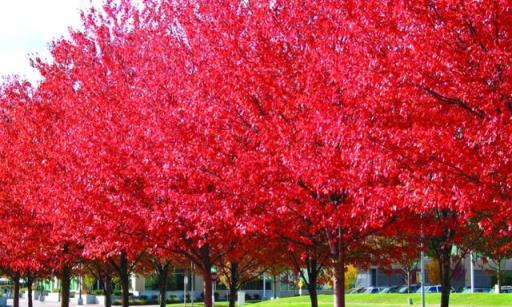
(331, 128)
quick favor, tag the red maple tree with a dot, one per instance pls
(193, 125)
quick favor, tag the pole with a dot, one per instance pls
(192, 286)
(472, 272)
(264, 287)
(185, 284)
(80, 300)
(422, 266)
(213, 292)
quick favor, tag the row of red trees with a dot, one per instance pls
(256, 134)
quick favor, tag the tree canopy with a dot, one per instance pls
(194, 129)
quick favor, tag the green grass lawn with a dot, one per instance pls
(388, 300)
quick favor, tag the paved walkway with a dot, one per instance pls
(24, 303)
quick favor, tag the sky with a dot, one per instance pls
(28, 26)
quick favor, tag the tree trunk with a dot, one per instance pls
(232, 297)
(162, 283)
(16, 295)
(274, 286)
(107, 289)
(408, 281)
(30, 282)
(233, 283)
(208, 287)
(311, 282)
(206, 267)
(313, 295)
(65, 280)
(446, 274)
(124, 277)
(498, 276)
(339, 280)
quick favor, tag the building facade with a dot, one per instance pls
(484, 274)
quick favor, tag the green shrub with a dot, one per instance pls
(140, 302)
(97, 292)
(88, 282)
(172, 299)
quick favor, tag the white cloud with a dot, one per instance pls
(28, 26)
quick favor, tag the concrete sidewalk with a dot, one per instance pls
(24, 303)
